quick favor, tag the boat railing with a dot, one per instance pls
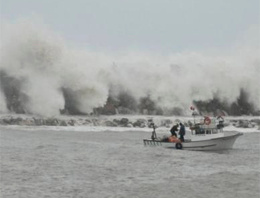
(152, 143)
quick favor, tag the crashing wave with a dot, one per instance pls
(40, 74)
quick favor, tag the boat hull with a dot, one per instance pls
(221, 143)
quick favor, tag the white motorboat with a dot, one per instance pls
(204, 136)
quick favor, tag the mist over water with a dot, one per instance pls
(41, 74)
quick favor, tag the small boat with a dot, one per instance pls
(207, 135)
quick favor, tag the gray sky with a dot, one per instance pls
(147, 25)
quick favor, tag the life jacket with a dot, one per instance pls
(173, 139)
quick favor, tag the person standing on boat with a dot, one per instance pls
(182, 132)
(174, 129)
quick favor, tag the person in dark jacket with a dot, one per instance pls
(182, 132)
(174, 129)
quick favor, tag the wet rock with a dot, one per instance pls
(80, 121)
(110, 123)
(150, 123)
(27, 122)
(95, 122)
(38, 122)
(244, 124)
(18, 120)
(51, 122)
(123, 122)
(11, 121)
(71, 122)
(2, 122)
(6, 121)
(116, 121)
(140, 123)
(166, 123)
(87, 122)
(130, 125)
(63, 123)
(256, 122)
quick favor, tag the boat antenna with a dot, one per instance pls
(154, 135)
(193, 113)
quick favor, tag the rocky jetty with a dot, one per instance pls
(110, 121)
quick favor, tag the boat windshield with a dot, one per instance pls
(201, 130)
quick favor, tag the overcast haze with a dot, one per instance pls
(146, 25)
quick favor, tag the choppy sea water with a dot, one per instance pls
(47, 163)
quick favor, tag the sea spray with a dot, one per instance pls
(51, 76)
(39, 60)
(3, 108)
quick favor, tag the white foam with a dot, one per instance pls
(30, 51)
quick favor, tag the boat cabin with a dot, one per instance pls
(204, 130)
